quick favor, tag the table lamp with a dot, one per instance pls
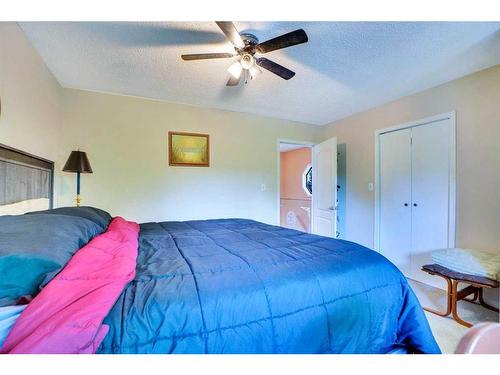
(78, 163)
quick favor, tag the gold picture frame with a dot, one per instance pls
(188, 149)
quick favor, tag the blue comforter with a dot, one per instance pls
(239, 286)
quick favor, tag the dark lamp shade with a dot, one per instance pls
(78, 162)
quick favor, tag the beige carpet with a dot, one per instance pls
(446, 331)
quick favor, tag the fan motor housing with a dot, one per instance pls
(250, 41)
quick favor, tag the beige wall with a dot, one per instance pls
(476, 100)
(126, 141)
(30, 97)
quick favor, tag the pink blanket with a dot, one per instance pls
(67, 315)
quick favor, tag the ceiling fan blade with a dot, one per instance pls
(286, 40)
(205, 56)
(233, 81)
(231, 33)
(275, 68)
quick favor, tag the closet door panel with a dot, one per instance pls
(395, 197)
(430, 189)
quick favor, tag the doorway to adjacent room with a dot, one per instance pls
(295, 186)
(312, 187)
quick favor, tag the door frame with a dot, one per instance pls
(278, 168)
(452, 198)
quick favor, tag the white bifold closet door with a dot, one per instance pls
(414, 194)
(395, 197)
(430, 168)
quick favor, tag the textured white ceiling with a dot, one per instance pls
(345, 68)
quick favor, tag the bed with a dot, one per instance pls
(105, 285)
(235, 286)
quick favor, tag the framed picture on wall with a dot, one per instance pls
(188, 149)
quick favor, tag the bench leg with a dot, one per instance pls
(448, 300)
(483, 302)
(454, 299)
(474, 297)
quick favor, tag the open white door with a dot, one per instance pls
(324, 196)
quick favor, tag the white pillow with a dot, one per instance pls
(22, 207)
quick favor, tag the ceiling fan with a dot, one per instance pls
(246, 46)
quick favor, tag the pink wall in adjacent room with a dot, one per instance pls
(293, 164)
(294, 203)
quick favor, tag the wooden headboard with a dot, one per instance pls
(26, 181)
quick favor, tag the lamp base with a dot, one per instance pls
(78, 200)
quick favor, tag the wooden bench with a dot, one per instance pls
(453, 278)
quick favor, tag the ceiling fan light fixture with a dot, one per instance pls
(235, 69)
(247, 61)
(255, 71)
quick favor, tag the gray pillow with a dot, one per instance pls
(35, 247)
(97, 215)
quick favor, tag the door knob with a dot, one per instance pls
(406, 204)
(415, 205)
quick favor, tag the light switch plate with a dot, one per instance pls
(370, 186)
